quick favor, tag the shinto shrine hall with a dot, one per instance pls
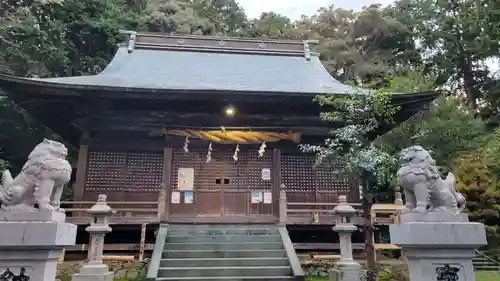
(199, 129)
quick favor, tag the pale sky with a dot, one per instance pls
(295, 8)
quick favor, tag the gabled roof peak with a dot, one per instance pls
(218, 44)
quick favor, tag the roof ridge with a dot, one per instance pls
(219, 44)
(220, 37)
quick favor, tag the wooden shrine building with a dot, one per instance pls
(213, 121)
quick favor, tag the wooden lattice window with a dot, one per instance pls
(300, 174)
(122, 171)
(144, 171)
(255, 166)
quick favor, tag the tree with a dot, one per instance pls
(481, 188)
(350, 147)
(176, 16)
(456, 38)
(228, 16)
(51, 38)
(362, 47)
(61, 38)
(271, 25)
(446, 128)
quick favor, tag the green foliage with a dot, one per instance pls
(491, 152)
(270, 25)
(350, 147)
(482, 189)
(176, 16)
(456, 36)
(446, 129)
(61, 38)
(411, 82)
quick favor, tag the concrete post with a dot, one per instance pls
(31, 243)
(439, 246)
(398, 199)
(95, 269)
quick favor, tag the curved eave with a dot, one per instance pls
(24, 90)
(54, 88)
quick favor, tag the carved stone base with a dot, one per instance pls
(346, 272)
(33, 248)
(93, 273)
(33, 216)
(438, 244)
(18, 208)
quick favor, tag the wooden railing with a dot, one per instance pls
(313, 211)
(122, 208)
(289, 212)
(321, 212)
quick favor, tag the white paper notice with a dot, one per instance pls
(268, 197)
(185, 179)
(266, 174)
(176, 197)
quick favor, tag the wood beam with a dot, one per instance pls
(207, 120)
(167, 179)
(81, 168)
(146, 129)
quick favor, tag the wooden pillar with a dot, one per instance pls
(167, 179)
(276, 181)
(142, 241)
(81, 168)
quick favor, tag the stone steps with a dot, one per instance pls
(223, 238)
(225, 271)
(240, 278)
(223, 246)
(193, 262)
(223, 252)
(484, 264)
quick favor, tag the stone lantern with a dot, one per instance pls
(95, 269)
(348, 268)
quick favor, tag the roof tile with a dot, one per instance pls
(184, 70)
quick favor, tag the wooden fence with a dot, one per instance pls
(289, 212)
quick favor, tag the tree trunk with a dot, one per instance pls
(469, 82)
(371, 260)
(465, 60)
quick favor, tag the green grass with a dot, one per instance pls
(487, 276)
(480, 276)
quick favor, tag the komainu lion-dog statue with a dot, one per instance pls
(40, 182)
(424, 189)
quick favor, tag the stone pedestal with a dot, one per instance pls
(438, 246)
(31, 243)
(91, 272)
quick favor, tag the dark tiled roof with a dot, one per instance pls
(164, 69)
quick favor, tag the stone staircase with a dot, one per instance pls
(482, 262)
(224, 252)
